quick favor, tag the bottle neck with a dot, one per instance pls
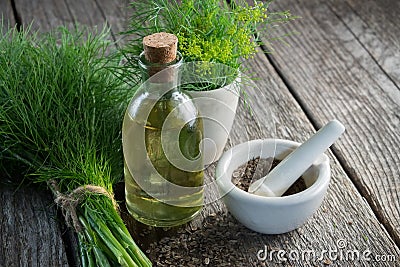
(161, 78)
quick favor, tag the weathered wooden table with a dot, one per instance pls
(344, 64)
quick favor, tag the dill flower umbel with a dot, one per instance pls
(207, 30)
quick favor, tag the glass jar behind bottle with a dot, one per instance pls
(161, 137)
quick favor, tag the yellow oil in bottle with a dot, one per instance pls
(159, 138)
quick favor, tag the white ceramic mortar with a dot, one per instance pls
(271, 215)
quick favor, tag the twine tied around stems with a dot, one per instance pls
(69, 202)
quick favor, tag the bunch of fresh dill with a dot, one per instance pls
(61, 111)
(207, 30)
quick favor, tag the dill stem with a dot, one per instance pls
(109, 239)
(82, 250)
(101, 260)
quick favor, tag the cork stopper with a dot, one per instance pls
(160, 48)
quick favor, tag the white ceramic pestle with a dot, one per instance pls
(275, 183)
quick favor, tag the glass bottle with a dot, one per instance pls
(161, 138)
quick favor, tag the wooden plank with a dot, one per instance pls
(117, 15)
(86, 12)
(48, 14)
(375, 25)
(333, 76)
(219, 240)
(44, 15)
(6, 14)
(30, 232)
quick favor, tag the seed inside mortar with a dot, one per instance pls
(257, 168)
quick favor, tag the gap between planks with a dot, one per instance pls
(17, 17)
